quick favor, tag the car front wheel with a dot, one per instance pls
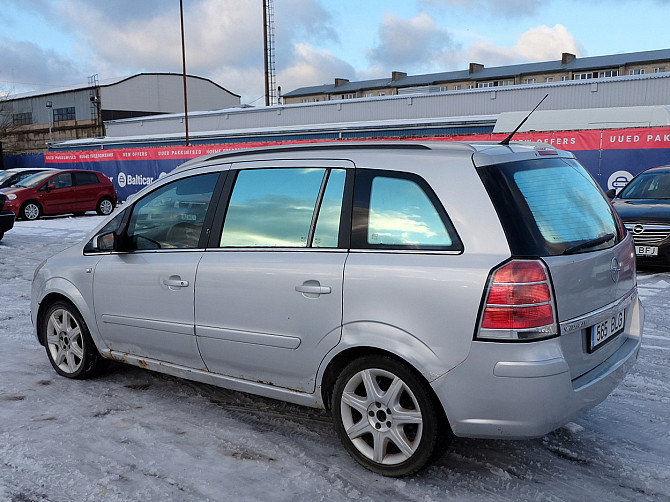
(68, 343)
(386, 417)
(31, 210)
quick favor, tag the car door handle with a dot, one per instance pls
(315, 290)
(312, 289)
(175, 283)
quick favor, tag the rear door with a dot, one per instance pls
(86, 190)
(269, 291)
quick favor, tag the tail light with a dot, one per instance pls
(519, 303)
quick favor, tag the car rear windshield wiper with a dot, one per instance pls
(589, 244)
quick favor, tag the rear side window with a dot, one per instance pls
(550, 207)
(85, 178)
(395, 210)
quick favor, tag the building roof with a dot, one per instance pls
(104, 83)
(576, 64)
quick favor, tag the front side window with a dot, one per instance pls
(399, 211)
(292, 207)
(649, 185)
(172, 216)
(61, 181)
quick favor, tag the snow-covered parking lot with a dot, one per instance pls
(134, 435)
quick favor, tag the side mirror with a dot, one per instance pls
(611, 193)
(105, 242)
(50, 187)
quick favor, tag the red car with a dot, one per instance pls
(59, 192)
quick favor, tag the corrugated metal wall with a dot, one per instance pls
(644, 90)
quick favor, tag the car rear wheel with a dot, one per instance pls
(68, 342)
(31, 210)
(386, 416)
(105, 206)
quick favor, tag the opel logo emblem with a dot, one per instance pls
(638, 229)
(615, 268)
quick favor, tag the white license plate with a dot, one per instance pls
(646, 250)
(606, 330)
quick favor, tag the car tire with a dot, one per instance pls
(31, 210)
(68, 342)
(105, 206)
(386, 416)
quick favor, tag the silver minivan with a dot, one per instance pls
(418, 290)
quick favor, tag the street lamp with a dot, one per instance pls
(49, 105)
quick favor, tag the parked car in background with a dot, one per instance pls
(60, 192)
(418, 290)
(6, 217)
(15, 175)
(644, 206)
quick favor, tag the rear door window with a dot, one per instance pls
(550, 207)
(85, 178)
(284, 207)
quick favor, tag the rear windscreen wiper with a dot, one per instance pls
(589, 244)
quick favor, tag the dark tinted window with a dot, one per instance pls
(85, 178)
(550, 206)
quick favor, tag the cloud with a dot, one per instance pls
(409, 44)
(541, 43)
(25, 66)
(506, 8)
(311, 66)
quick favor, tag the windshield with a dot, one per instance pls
(648, 185)
(550, 207)
(6, 175)
(34, 180)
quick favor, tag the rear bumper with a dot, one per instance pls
(517, 391)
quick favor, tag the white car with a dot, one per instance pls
(417, 290)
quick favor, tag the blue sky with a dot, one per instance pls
(53, 43)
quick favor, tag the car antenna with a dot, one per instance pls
(508, 138)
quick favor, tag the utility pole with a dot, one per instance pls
(183, 62)
(268, 51)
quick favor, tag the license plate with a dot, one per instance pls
(606, 330)
(646, 250)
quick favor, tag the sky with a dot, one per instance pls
(53, 43)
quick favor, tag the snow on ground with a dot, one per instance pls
(135, 435)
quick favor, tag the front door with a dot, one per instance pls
(56, 195)
(144, 294)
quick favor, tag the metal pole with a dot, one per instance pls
(265, 53)
(183, 61)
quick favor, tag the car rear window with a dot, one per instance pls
(550, 207)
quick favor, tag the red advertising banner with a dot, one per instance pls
(612, 139)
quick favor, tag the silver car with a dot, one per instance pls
(419, 291)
